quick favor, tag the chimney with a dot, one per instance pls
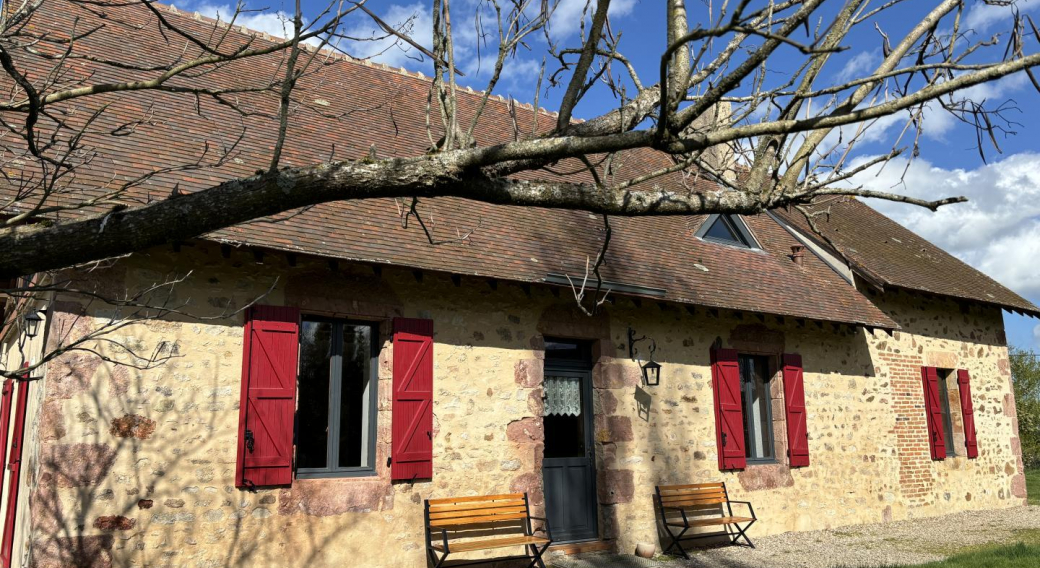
(798, 254)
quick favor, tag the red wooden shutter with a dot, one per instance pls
(5, 419)
(729, 415)
(968, 411)
(933, 412)
(14, 465)
(794, 401)
(265, 428)
(412, 450)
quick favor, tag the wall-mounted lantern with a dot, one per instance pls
(32, 323)
(651, 369)
(651, 373)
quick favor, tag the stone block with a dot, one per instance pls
(75, 465)
(112, 523)
(132, 426)
(615, 486)
(526, 430)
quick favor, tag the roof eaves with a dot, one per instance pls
(558, 281)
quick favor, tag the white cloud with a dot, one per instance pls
(566, 20)
(997, 231)
(413, 20)
(278, 24)
(982, 16)
(894, 131)
(858, 66)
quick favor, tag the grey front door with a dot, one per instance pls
(568, 466)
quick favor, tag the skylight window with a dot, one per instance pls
(727, 230)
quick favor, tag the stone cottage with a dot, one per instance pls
(308, 381)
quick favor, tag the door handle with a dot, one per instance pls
(249, 440)
(723, 439)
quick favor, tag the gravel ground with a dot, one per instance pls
(904, 542)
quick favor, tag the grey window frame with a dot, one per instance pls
(735, 224)
(944, 397)
(336, 394)
(745, 393)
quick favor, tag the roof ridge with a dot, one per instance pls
(340, 56)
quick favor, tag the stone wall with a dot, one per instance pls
(137, 465)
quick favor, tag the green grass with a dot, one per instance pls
(1033, 486)
(1008, 556)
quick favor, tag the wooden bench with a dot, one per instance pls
(701, 505)
(466, 524)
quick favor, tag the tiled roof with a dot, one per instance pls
(348, 107)
(894, 255)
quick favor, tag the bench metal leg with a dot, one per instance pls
(433, 558)
(675, 541)
(742, 533)
(536, 554)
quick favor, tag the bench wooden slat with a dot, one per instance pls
(493, 543)
(477, 505)
(679, 496)
(690, 486)
(711, 522)
(693, 492)
(693, 502)
(478, 513)
(443, 523)
(446, 500)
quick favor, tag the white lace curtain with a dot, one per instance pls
(562, 396)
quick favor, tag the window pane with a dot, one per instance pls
(312, 441)
(722, 230)
(944, 398)
(354, 411)
(754, 374)
(565, 350)
(565, 423)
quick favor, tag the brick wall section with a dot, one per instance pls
(909, 428)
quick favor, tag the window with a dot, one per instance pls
(336, 427)
(727, 230)
(944, 401)
(757, 408)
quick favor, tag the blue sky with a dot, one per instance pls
(998, 231)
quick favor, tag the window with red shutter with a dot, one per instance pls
(794, 404)
(968, 411)
(729, 416)
(269, 367)
(934, 412)
(412, 447)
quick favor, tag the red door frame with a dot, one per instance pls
(14, 465)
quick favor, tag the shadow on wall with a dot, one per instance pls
(137, 467)
(679, 446)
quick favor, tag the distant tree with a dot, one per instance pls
(1025, 375)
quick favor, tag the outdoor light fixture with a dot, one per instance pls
(651, 369)
(651, 373)
(32, 324)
